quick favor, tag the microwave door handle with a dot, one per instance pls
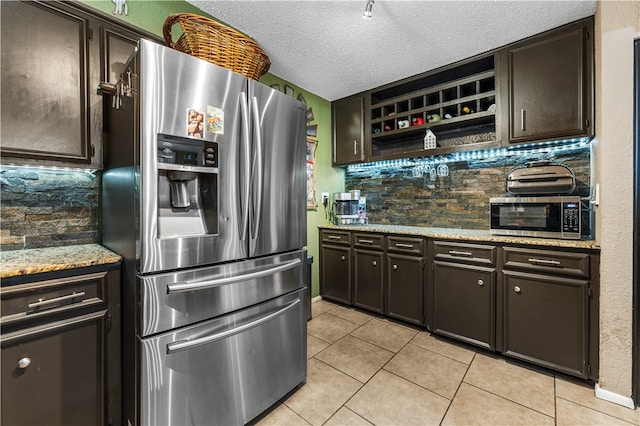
(205, 284)
(182, 345)
(257, 137)
(245, 169)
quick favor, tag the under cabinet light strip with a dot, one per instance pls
(496, 153)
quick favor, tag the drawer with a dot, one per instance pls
(24, 302)
(336, 237)
(548, 261)
(465, 253)
(407, 245)
(374, 241)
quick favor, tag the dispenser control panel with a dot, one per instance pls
(187, 152)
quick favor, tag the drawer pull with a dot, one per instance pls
(395, 267)
(402, 245)
(517, 289)
(365, 241)
(481, 283)
(460, 253)
(41, 302)
(374, 263)
(544, 262)
(342, 258)
(24, 362)
(333, 237)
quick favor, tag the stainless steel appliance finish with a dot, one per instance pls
(174, 299)
(546, 217)
(204, 196)
(541, 179)
(226, 367)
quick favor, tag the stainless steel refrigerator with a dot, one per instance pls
(204, 196)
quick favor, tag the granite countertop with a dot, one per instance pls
(479, 235)
(33, 261)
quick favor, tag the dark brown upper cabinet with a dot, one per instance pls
(54, 56)
(348, 134)
(551, 85)
(45, 82)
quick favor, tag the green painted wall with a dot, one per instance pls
(150, 16)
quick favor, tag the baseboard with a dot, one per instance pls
(315, 299)
(625, 401)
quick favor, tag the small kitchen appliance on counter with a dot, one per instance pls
(349, 208)
(541, 205)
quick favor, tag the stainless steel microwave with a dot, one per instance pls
(547, 217)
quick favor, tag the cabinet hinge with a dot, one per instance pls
(586, 35)
(586, 123)
(589, 292)
(589, 369)
(93, 150)
(90, 34)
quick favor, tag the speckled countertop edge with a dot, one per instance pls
(466, 234)
(34, 261)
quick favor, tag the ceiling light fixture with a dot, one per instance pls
(367, 9)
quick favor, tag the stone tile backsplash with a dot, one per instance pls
(399, 196)
(47, 207)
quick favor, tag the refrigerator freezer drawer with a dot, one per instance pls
(227, 370)
(173, 300)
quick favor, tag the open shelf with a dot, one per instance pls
(458, 104)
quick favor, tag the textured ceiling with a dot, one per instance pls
(329, 49)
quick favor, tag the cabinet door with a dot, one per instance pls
(404, 287)
(550, 83)
(45, 82)
(546, 320)
(54, 374)
(464, 303)
(368, 280)
(335, 273)
(348, 138)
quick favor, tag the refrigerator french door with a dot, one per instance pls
(204, 196)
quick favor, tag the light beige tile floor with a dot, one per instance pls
(367, 370)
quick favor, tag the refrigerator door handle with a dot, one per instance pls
(259, 160)
(245, 169)
(182, 345)
(205, 284)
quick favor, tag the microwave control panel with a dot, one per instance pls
(570, 217)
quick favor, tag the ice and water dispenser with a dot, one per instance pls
(187, 186)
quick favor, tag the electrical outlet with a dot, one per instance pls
(325, 198)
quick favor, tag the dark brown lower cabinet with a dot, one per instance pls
(53, 374)
(404, 287)
(335, 273)
(61, 348)
(368, 281)
(546, 321)
(464, 303)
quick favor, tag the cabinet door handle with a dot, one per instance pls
(481, 283)
(374, 263)
(522, 119)
(41, 302)
(517, 289)
(402, 245)
(460, 253)
(544, 262)
(355, 147)
(24, 363)
(342, 258)
(333, 237)
(365, 241)
(395, 267)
